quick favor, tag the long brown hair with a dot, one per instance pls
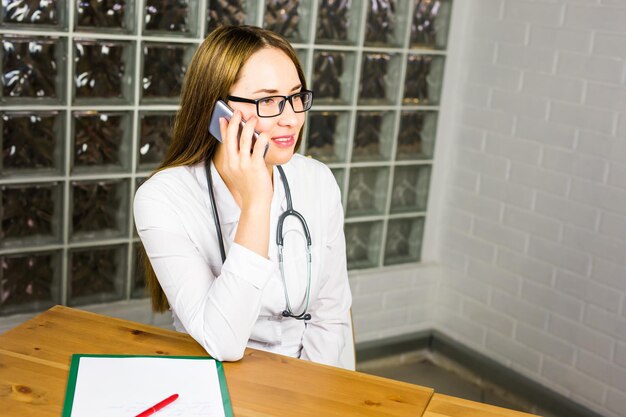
(212, 72)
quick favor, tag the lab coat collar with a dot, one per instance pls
(228, 209)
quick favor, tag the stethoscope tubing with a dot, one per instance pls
(288, 312)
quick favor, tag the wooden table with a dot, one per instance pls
(446, 406)
(35, 358)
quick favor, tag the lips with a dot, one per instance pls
(284, 141)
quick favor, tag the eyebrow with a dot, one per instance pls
(272, 91)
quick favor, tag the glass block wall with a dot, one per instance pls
(89, 90)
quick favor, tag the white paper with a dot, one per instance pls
(124, 387)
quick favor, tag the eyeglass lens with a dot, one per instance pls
(273, 106)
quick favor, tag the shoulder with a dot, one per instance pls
(311, 170)
(172, 183)
(313, 179)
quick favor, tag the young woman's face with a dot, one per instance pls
(270, 72)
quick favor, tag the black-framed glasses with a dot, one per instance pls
(274, 105)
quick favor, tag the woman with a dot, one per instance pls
(244, 296)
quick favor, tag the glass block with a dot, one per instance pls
(164, 67)
(31, 214)
(340, 174)
(338, 22)
(379, 78)
(171, 17)
(99, 209)
(363, 243)
(230, 12)
(155, 135)
(386, 22)
(33, 14)
(404, 240)
(102, 71)
(333, 76)
(430, 23)
(416, 138)
(410, 188)
(138, 275)
(373, 136)
(367, 191)
(303, 57)
(32, 142)
(29, 282)
(101, 141)
(290, 18)
(424, 77)
(33, 69)
(96, 274)
(105, 15)
(327, 135)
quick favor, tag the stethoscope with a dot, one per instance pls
(288, 312)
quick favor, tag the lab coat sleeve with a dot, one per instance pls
(217, 311)
(323, 339)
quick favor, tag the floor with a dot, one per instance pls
(425, 372)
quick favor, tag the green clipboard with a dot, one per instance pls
(73, 375)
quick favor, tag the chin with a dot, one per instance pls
(278, 156)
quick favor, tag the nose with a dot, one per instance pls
(288, 117)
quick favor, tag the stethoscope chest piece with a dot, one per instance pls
(306, 316)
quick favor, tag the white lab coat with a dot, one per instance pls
(228, 307)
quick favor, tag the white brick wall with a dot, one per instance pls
(534, 213)
(393, 301)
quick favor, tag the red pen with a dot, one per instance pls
(158, 406)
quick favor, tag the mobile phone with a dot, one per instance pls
(223, 110)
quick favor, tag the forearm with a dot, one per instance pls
(216, 304)
(218, 310)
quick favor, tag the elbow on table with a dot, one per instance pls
(228, 356)
(223, 342)
(226, 353)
